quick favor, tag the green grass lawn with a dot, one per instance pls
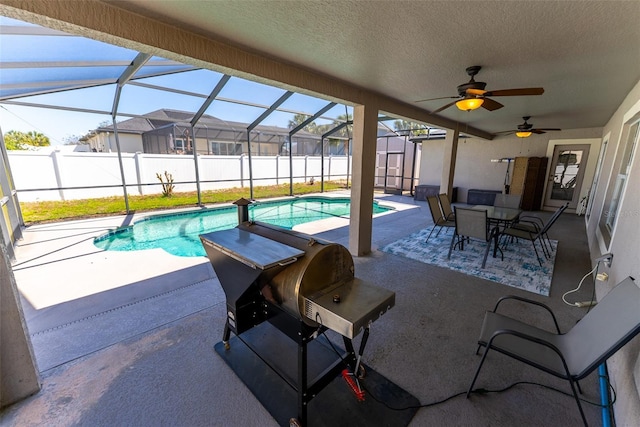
(47, 211)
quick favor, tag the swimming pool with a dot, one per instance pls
(178, 233)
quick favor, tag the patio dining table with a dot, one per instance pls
(498, 217)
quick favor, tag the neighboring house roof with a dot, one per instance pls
(163, 117)
(137, 125)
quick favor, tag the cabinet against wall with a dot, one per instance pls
(529, 175)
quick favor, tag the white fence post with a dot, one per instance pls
(56, 157)
(139, 173)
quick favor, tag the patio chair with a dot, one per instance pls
(535, 224)
(472, 223)
(573, 355)
(508, 200)
(445, 204)
(532, 236)
(438, 219)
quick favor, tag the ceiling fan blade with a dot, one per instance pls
(490, 104)
(516, 92)
(444, 107)
(537, 131)
(435, 99)
(548, 129)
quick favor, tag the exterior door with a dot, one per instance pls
(566, 174)
(393, 175)
(381, 162)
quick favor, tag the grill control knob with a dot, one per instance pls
(336, 298)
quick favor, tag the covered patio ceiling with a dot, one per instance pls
(586, 55)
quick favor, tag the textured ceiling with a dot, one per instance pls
(586, 54)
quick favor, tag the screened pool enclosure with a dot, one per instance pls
(139, 105)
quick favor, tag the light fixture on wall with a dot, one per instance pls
(468, 104)
(523, 134)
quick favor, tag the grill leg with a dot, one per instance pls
(302, 383)
(348, 345)
(225, 335)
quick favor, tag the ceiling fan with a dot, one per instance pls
(471, 95)
(526, 129)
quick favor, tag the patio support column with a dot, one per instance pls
(449, 161)
(365, 127)
(19, 376)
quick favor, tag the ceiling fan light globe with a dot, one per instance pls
(468, 104)
(523, 134)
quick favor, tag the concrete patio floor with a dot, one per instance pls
(126, 338)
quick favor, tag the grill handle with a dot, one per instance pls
(289, 262)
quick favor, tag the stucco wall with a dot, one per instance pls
(106, 142)
(474, 168)
(624, 367)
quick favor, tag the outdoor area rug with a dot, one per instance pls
(520, 268)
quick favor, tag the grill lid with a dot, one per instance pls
(251, 249)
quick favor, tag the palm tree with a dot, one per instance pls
(413, 128)
(16, 140)
(301, 118)
(342, 136)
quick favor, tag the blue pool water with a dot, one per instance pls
(179, 233)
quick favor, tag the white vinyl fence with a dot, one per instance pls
(81, 175)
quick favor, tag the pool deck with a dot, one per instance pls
(124, 338)
(79, 276)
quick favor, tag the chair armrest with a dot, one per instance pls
(529, 301)
(533, 219)
(535, 226)
(527, 337)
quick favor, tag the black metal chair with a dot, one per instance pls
(612, 323)
(535, 225)
(438, 218)
(472, 223)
